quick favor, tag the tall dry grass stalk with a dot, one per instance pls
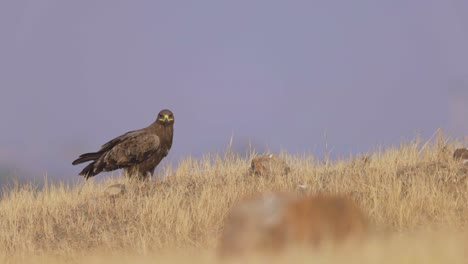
(404, 189)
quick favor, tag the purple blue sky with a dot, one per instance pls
(74, 74)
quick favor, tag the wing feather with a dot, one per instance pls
(131, 134)
(132, 150)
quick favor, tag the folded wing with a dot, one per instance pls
(129, 149)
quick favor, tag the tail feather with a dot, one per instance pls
(89, 171)
(87, 157)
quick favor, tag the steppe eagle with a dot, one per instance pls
(138, 152)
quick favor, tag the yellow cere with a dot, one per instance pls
(166, 117)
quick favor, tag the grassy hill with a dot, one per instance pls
(415, 194)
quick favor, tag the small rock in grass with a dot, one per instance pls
(115, 190)
(269, 164)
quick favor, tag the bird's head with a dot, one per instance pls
(166, 117)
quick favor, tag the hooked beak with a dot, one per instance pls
(166, 119)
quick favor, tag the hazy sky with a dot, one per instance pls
(75, 74)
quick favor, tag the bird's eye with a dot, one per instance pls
(171, 116)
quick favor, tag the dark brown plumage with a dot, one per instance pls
(138, 152)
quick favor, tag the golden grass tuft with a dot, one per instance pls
(405, 191)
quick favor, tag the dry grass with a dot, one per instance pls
(406, 191)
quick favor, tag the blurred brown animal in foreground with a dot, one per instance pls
(276, 221)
